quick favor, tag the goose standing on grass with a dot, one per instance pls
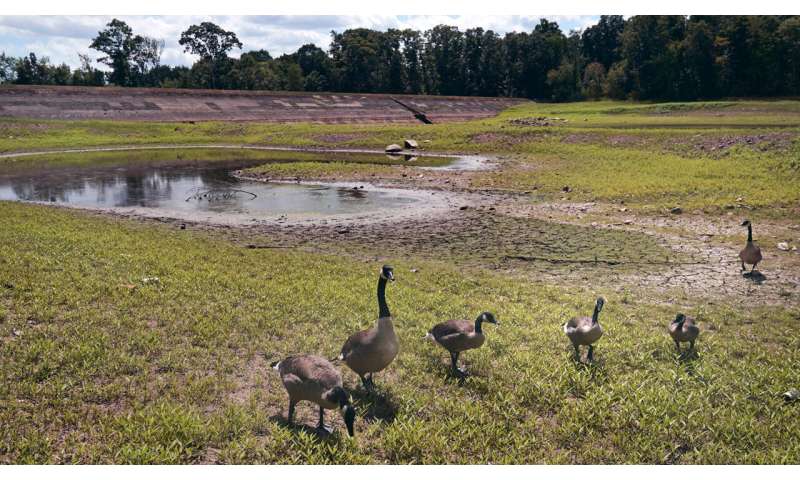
(751, 253)
(683, 329)
(372, 350)
(585, 330)
(457, 336)
(312, 378)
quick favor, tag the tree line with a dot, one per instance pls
(643, 57)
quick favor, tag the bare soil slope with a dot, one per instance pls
(162, 104)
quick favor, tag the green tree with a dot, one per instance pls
(211, 43)
(594, 80)
(130, 56)
(601, 42)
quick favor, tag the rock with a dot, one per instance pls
(566, 188)
(791, 395)
(149, 280)
(729, 207)
(463, 207)
(676, 210)
(783, 246)
(393, 148)
(414, 270)
(411, 144)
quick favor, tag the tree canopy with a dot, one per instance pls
(642, 57)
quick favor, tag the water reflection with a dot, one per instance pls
(196, 187)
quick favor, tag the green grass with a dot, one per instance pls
(652, 156)
(98, 366)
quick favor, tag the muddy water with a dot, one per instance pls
(194, 188)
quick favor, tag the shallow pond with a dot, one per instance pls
(186, 188)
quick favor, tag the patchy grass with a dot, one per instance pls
(98, 365)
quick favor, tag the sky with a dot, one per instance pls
(61, 38)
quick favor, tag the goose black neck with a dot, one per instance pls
(383, 309)
(479, 325)
(749, 233)
(596, 314)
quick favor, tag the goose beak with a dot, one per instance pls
(349, 419)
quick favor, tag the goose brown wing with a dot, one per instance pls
(311, 368)
(452, 327)
(354, 341)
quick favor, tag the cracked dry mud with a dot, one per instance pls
(508, 234)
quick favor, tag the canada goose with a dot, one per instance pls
(751, 253)
(312, 378)
(683, 329)
(459, 335)
(373, 349)
(585, 330)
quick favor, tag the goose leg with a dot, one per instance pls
(743, 267)
(454, 359)
(366, 382)
(754, 267)
(290, 417)
(321, 425)
(371, 381)
(678, 346)
(589, 355)
(577, 352)
(691, 345)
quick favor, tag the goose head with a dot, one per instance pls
(488, 317)
(340, 396)
(387, 273)
(679, 319)
(746, 223)
(599, 304)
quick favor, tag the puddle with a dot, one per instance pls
(204, 191)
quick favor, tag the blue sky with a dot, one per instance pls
(62, 37)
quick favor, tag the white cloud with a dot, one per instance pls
(62, 37)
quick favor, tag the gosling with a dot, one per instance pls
(457, 336)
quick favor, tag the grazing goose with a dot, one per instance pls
(751, 253)
(372, 350)
(585, 330)
(683, 329)
(312, 378)
(459, 335)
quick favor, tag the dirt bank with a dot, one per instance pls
(163, 104)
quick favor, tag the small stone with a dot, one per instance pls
(16, 333)
(791, 395)
(566, 189)
(783, 246)
(414, 270)
(676, 210)
(393, 148)
(411, 144)
(463, 207)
